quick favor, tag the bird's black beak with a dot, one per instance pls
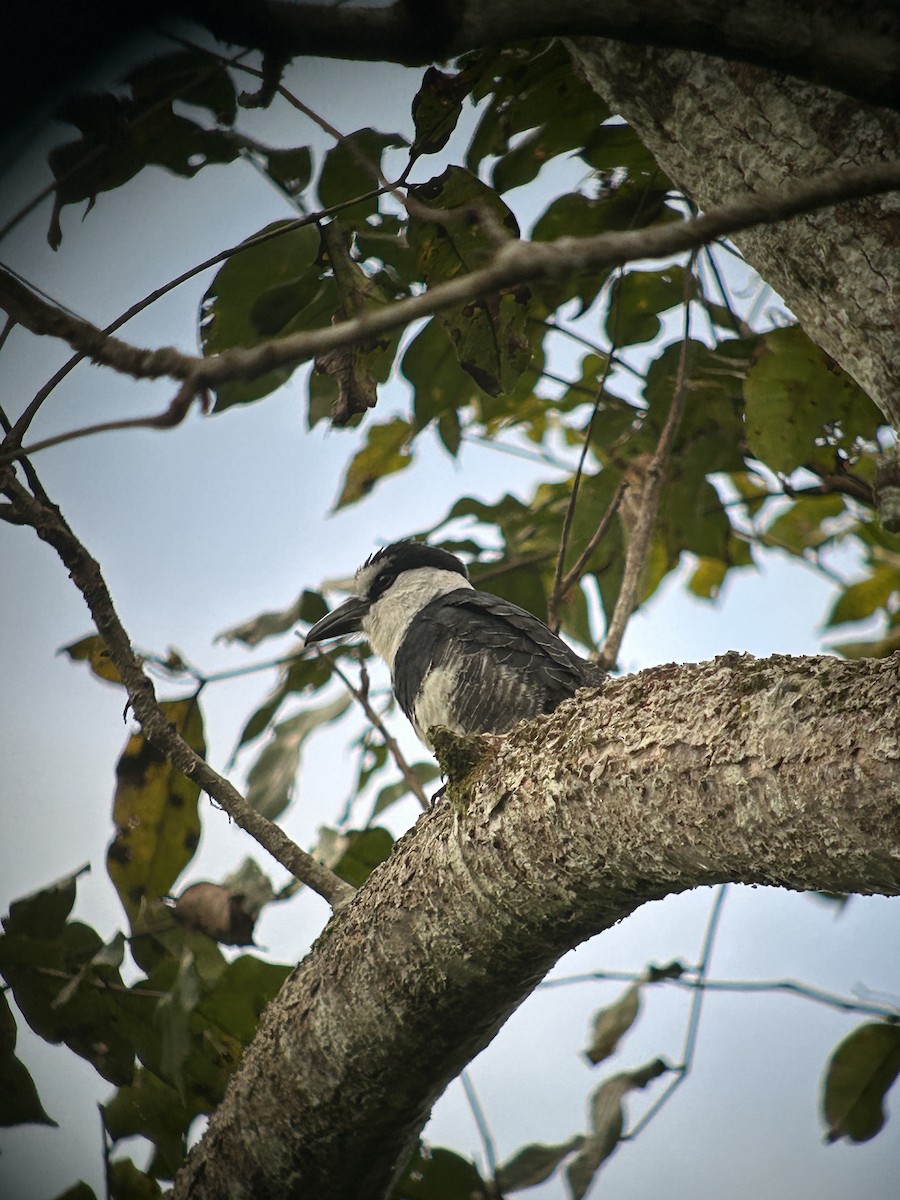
(345, 618)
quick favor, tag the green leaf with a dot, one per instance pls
(522, 585)
(450, 432)
(365, 849)
(489, 334)
(193, 76)
(801, 527)
(802, 409)
(533, 1164)
(244, 989)
(707, 578)
(859, 1076)
(303, 675)
(612, 1023)
(308, 607)
(43, 914)
(126, 1182)
(616, 147)
(386, 451)
(439, 384)
(123, 134)
(861, 600)
(290, 168)
(436, 108)
(19, 1100)
(637, 298)
(267, 288)
(425, 772)
(607, 1120)
(78, 1191)
(271, 779)
(173, 1018)
(351, 169)
(535, 89)
(880, 648)
(438, 1174)
(68, 991)
(151, 1109)
(155, 813)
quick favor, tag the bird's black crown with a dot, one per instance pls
(409, 555)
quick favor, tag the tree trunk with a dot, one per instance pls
(722, 129)
(784, 772)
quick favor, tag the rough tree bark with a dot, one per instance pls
(722, 129)
(783, 772)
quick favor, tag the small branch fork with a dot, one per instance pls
(514, 263)
(50, 525)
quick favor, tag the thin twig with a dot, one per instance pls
(557, 593)
(688, 981)
(693, 1026)
(484, 1132)
(362, 699)
(572, 576)
(51, 527)
(651, 494)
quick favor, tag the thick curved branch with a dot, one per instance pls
(784, 772)
(514, 263)
(51, 527)
(854, 49)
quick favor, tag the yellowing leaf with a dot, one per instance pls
(155, 813)
(93, 651)
(860, 600)
(385, 452)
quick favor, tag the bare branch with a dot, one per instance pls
(515, 263)
(654, 478)
(51, 527)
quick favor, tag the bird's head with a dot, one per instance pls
(389, 589)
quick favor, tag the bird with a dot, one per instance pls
(459, 658)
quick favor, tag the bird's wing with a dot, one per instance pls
(501, 664)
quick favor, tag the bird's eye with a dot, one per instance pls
(382, 583)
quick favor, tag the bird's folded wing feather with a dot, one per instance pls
(499, 663)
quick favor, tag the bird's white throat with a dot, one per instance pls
(386, 622)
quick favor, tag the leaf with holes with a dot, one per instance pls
(155, 813)
(802, 409)
(489, 333)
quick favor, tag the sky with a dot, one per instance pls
(206, 525)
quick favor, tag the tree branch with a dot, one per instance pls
(784, 772)
(514, 264)
(813, 47)
(51, 527)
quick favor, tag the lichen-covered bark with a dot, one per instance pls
(784, 771)
(720, 129)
